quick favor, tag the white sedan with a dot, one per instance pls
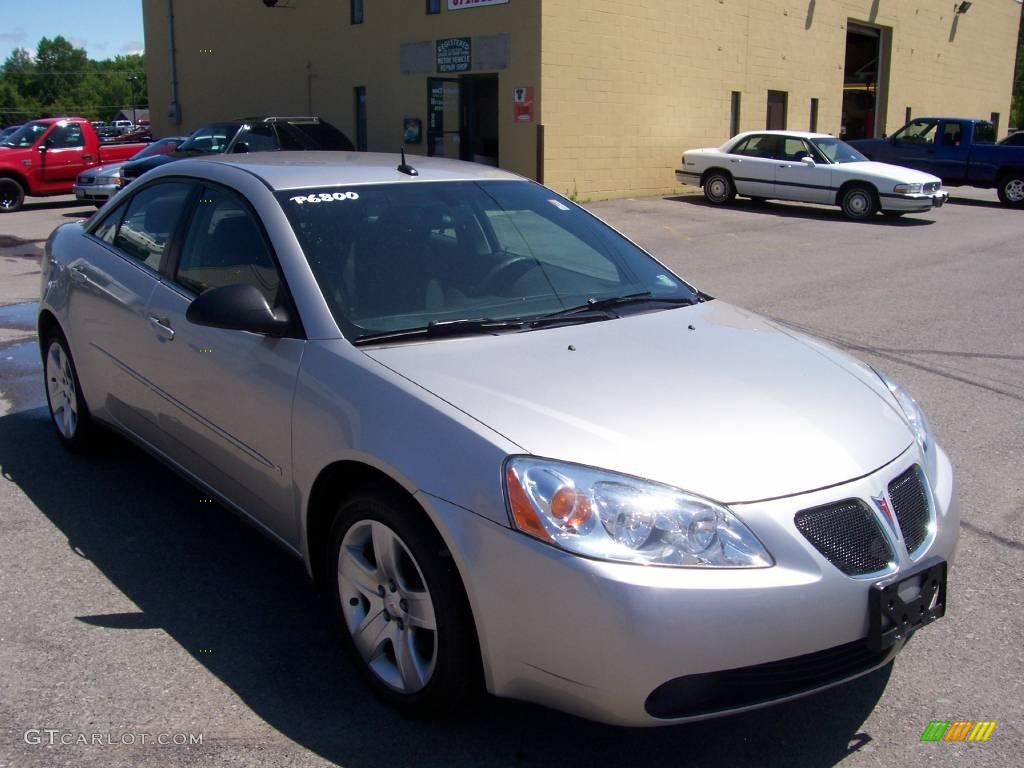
(810, 168)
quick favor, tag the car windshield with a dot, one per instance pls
(393, 257)
(210, 139)
(837, 151)
(161, 147)
(27, 135)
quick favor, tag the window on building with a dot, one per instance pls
(357, 11)
(813, 122)
(734, 114)
(994, 117)
(775, 119)
(360, 110)
(433, 6)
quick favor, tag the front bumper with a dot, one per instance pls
(917, 203)
(597, 639)
(95, 193)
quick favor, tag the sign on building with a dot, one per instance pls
(522, 100)
(454, 54)
(458, 5)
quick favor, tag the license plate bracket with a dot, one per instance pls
(895, 614)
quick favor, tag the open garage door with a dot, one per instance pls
(864, 81)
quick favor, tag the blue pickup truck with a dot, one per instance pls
(960, 151)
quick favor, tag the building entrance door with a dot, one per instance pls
(863, 82)
(462, 121)
(444, 122)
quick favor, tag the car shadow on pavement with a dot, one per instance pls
(211, 582)
(789, 210)
(44, 205)
(974, 202)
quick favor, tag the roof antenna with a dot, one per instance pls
(405, 167)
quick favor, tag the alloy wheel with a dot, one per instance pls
(1013, 189)
(61, 392)
(387, 606)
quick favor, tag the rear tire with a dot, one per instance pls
(859, 202)
(69, 413)
(1011, 189)
(12, 195)
(400, 607)
(718, 188)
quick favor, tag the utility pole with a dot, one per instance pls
(131, 85)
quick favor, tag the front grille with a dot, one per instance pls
(909, 495)
(848, 535)
(933, 186)
(704, 694)
(85, 179)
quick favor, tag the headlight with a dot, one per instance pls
(916, 419)
(907, 189)
(616, 517)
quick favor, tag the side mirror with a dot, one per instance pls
(807, 161)
(241, 147)
(238, 308)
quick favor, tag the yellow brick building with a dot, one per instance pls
(596, 98)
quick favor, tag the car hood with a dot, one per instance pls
(895, 173)
(709, 398)
(102, 170)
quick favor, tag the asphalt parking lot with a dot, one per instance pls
(131, 607)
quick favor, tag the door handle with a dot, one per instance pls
(731, 160)
(78, 275)
(161, 326)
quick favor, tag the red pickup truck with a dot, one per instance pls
(43, 158)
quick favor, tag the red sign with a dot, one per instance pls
(523, 104)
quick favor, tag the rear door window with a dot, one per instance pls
(150, 221)
(762, 145)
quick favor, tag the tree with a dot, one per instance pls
(60, 79)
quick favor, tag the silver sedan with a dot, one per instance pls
(99, 184)
(517, 452)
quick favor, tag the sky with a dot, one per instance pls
(105, 28)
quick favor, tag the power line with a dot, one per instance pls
(121, 73)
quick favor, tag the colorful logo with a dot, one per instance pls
(883, 506)
(958, 730)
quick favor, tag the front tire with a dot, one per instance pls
(719, 188)
(859, 202)
(69, 413)
(12, 195)
(401, 608)
(1011, 189)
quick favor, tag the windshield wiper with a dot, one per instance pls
(610, 302)
(437, 328)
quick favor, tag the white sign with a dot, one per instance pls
(458, 5)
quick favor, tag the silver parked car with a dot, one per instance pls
(99, 184)
(516, 451)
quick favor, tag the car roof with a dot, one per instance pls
(308, 170)
(279, 118)
(794, 134)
